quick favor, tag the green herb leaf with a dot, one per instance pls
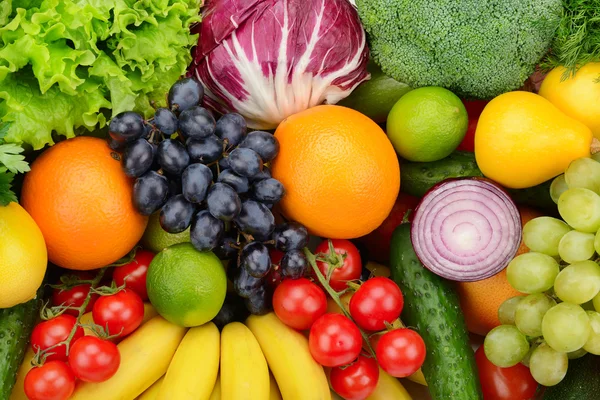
(6, 194)
(11, 158)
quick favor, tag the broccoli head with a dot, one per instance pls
(476, 48)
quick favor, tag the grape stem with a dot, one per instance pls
(312, 260)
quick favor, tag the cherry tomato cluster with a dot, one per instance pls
(69, 355)
(335, 340)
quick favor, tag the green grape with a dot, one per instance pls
(506, 311)
(566, 327)
(593, 343)
(531, 311)
(543, 234)
(576, 246)
(578, 283)
(597, 242)
(576, 354)
(532, 272)
(548, 366)
(596, 302)
(558, 187)
(583, 173)
(525, 360)
(580, 208)
(505, 346)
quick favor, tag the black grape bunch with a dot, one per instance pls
(212, 176)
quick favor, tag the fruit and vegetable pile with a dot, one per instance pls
(300, 200)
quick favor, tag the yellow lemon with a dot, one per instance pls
(577, 96)
(23, 256)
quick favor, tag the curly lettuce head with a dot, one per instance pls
(71, 64)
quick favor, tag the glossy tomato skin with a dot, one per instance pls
(356, 381)
(514, 383)
(52, 381)
(400, 352)
(75, 296)
(298, 303)
(334, 340)
(133, 275)
(351, 268)
(93, 359)
(474, 110)
(377, 301)
(121, 312)
(53, 331)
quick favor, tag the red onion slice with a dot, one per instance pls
(466, 229)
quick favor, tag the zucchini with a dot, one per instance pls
(582, 381)
(431, 306)
(417, 178)
(16, 324)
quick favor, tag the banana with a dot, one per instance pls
(335, 396)
(145, 357)
(418, 377)
(195, 366)
(298, 375)
(216, 393)
(152, 391)
(244, 370)
(274, 389)
(388, 388)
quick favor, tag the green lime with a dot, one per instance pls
(156, 238)
(427, 124)
(187, 287)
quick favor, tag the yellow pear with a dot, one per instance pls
(522, 140)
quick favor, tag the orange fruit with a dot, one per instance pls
(480, 300)
(339, 170)
(80, 198)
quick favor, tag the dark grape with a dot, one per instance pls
(259, 303)
(172, 157)
(274, 277)
(239, 183)
(185, 93)
(293, 264)
(138, 158)
(115, 144)
(223, 202)
(126, 127)
(174, 186)
(205, 150)
(196, 123)
(255, 258)
(262, 175)
(244, 284)
(245, 162)
(150, 192)
(290, 236)
(165, 121)
(231, 128)
(264, 143)
(176, 214)
(268, 191)
(226, 250)
(224, 163)
(255, 219)
(232, 310)
(195, 181)
(206, 232)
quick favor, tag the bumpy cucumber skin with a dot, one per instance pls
(417, 178)
(581, 383)
(431, 307)
(16, 324)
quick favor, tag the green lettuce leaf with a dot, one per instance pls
(67, 66)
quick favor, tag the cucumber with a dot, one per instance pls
(431, 307)
(417, 178)
(581, 383)
(16, 324)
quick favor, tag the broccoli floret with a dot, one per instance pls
(476, 48)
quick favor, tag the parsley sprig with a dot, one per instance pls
(11, 162)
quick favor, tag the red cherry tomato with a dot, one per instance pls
(122, 312)
(350, 264)
(400, 352)
(356, 381)
(52, 381)
(133, 275)
(53, 331)
(298, 303)
(514, 383)
(93, 359)
(75, 296)
(334, 340)
(377, 301)
(474, 110)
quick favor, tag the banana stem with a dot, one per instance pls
(334, 295)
